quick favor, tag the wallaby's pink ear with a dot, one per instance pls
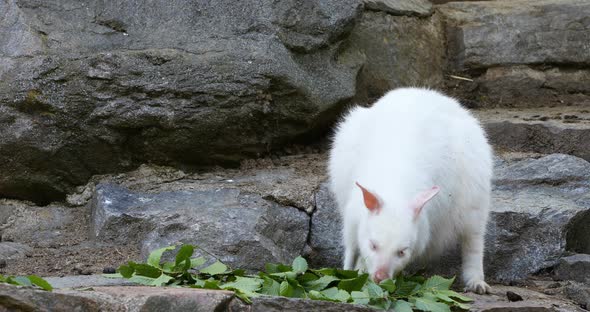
(371, 200)
(422, 199)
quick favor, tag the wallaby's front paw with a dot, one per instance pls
(478, 286)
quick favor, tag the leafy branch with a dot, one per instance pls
(297, 281)
(30, 281)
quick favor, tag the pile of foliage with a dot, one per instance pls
(296, 281)
(30, 281)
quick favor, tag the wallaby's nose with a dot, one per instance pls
(380, 275)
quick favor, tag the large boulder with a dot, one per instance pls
(90, 87)
(518, 53)
(240, 228)
(396, 51)
(491, 33)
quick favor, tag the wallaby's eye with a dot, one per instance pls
(374, 246)
(402, 252)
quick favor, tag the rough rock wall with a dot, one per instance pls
(91, 87)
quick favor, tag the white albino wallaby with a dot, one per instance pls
(412, 177)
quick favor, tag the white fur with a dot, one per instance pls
(406, 143)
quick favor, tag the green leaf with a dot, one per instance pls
(316, 295)
(211, 284)
(156, 255)
(113, 275)
(380, 303)
(438, 283)
(374, 290)
(126, 271)
(238, 272)
(299, 265)
(429, 305)
(270, 287)
(462, 306)
(402, 306)
(298, 290)
(405, 288)
(289, 275)
(360, 297)
(142, 280)
(320, 283)
(307, 277)
(285, 289)
(184, 255)
(161, 280)
(245, 284)
(456, 295)
(36, 280)
(355, 284)
(245, 296)
(388, 285)
(169, 267)
(341, 274)
(336, 294)
(22, 281)
(145, 270)
(214, 269)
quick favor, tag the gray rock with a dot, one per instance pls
(142, 298)
(523, 85)
(154, 299)
(325, 240)
(277, 304)
(532, 32)
(533, 301)
(410, 8)
(91, 87)
(535, 205)
(540, 130)
(553, 169)
(241, 229)
(26, 299)
(396, 51)
(579, 293)
(13, 251)
(574, 268)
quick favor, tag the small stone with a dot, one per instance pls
(575, 268)
(109, 270)
(512, 296)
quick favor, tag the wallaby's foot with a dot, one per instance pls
(477, 286)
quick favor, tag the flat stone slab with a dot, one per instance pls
(141, 298)
(542, 130)
(78, 281)
(491, 33)
(535, 301)
(240, 228)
